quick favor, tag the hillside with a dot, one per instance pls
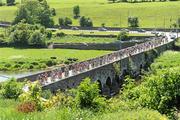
(151, 14)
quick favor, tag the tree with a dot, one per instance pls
(37, 39)
(87, 95)
(53, 12)
(22, 13)
(24, 34)
(67, 21)
(133, 22)
(61, 21)
(122, 36)
(10, 2)
(36, 12)
(85, 22)
(76, 11)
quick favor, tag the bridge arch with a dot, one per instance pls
(109, 83)
(100, 86)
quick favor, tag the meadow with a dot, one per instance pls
(96, 32)
(78, 39)
(150, 14)
(23, 59)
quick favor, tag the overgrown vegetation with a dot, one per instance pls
(23, 35)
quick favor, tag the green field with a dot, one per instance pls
(28, 59)
(151, 14)
(77, 39)
(96, 32)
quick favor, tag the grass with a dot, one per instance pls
(168, 59)
(12, 59)
(95, 32)
(150, 14)
(77, 39)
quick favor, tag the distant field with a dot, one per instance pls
(11, 53)
(151, 14)
(96, 32)
(75, 39)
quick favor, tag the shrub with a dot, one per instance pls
(76, 11)
(67, 21)
(12, 89)
(27, 107)
(33, 94)
(53, 11)
(37, 39)
(87, 95)
(46, 94)
(61, 21)
(49, 34)
(122, 36)
(133, 22)
(85, 22)
(60, 34)
(10, 2)
(23, 34)
(162, 88)
(51, 62)
(60, 100)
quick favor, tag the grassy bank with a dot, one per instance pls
(151, 14)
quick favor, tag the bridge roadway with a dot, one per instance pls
(52, 76)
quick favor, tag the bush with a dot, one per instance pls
(85, 22)
(53, 11)
(10, 2)
(12, 89)
(87, 96)
(49, 34)
(27, 107)
(61, 21)
(133, 22)
(67, 21)
(60, 34)
(33, 94)
(122, 36)
(23, 34)
(37, 39)
(76, 11)
(46, 94)
(162, 88)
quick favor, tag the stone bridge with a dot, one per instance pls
(108, 70)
